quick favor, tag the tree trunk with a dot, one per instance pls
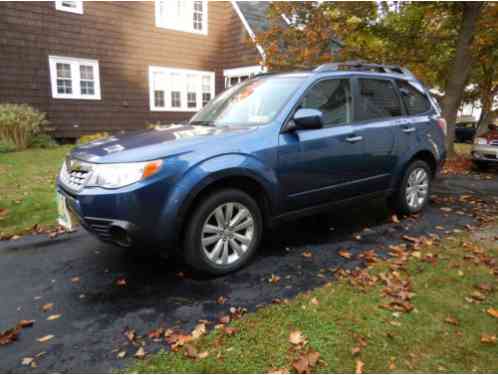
(482, 125)
(459, 72)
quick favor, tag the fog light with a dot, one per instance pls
(120, 236)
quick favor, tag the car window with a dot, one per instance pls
(333, 98)
(415, 101)
(377, 99)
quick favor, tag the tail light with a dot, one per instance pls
(441, 122)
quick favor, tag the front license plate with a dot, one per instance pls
(67, 220)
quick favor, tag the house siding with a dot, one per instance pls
(124, 39)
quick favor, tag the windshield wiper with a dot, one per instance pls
(202, 122)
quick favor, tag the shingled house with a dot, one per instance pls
(113, 66)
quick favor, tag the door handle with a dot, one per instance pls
(408, 130)
(354, 139)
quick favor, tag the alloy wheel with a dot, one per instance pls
(417, 188)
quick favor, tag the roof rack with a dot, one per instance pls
(362, 66)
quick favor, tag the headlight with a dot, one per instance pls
(114, 176)
(480, 141)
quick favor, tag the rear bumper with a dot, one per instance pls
(485, 153)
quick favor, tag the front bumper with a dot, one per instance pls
(131, 216)
(485, 153)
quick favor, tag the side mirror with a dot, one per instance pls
(307, 118)
(492, 127)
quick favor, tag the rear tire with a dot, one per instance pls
(414, 190)
(223, 232)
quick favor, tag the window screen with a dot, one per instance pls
(377, 99)
(333, 99)
(415, 102)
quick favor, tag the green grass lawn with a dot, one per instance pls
(27, 183)
(442, 333)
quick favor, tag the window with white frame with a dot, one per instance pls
(182, 15)
(73, 78)
(179, 90)
(70, 6)
(237, 75)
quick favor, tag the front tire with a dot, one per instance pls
(223, 232)
(413, 193)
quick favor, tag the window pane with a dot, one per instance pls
(159, 99)
(86, 72)
(64, 86)
(378, 99)
(63, 70)
(198, 15)
(87, 87)
(191, 100)
(333, 99)
(206, 84)
(415, 102)
(175, 99)
(206, 97)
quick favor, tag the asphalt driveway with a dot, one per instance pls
(79, 276)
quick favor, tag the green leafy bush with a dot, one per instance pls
(19, 123)
(6, 146)
(92, 137)
(43, 140)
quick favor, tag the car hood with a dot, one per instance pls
(155, 143)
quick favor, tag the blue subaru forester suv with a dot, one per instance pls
(271, 148)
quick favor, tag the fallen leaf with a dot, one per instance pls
(314, 301)
(75, 279)
(411, 239)
(199, 330)
(54, 317)
(305, 363)
(446, 209)
(395, 219)
(190, 352)
(121, 354)
(356, 350)
(359, 367)
(45, 338)
(121, 281)
(281, 370)
(493, 312)
(297, 338)
(307, 254)
(27, 361)
(26, 323)
(46, 307)
(203, 355)
(225, 319)
(130, 334)
(451, 320)
(417, 254)
(345, 254)
(488, 339)
(274, 279)
(140, 354)
(221, 300)
(6, 337)
(230, 331)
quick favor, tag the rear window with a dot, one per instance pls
(378, 99)
(415, 101)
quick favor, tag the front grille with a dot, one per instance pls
(75, 174)
(100, 227)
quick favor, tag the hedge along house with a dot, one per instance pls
(116, 66)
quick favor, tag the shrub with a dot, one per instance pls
(43, 140)
(19, 123)
(92, 137)
(6, 146)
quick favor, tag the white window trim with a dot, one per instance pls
(78, 10)
(183, 93)
(163, 23)
(75, 77)
(244, 71)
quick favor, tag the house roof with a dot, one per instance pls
(255, 14)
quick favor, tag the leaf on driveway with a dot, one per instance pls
(493, 312)
(121, 354)
(26, 323)
(274, 279)
(359, 367)
(488, 339)
(45, 338)
(307, 254)
(121, 281)
(48, 306)
(394, 219)
(345, 254)
(28, 361)
(54, 317)
(140, 354)
(6, 337)
(221, 300)
(130, 334)
(75, 279)
(297, 338)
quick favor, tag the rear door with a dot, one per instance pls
(377, 112)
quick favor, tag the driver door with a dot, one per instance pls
(322, 165)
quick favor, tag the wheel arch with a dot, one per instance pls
(424, 155)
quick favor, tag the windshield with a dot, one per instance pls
(254, 102)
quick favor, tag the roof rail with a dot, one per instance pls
(362, 66)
